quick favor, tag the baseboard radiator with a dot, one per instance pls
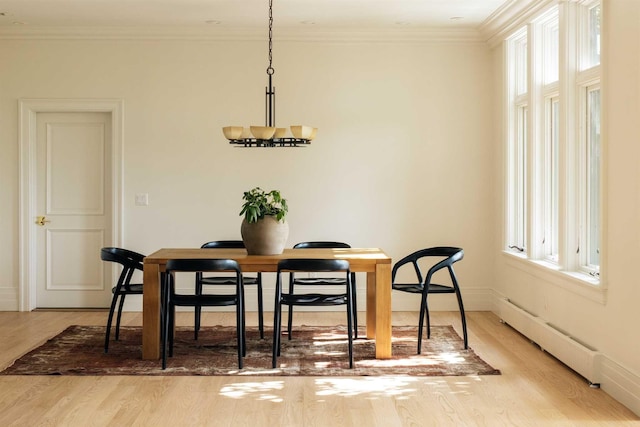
(578, 356)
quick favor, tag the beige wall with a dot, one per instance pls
(402, 159)
(623, 102)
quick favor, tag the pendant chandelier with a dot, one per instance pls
(269, 135)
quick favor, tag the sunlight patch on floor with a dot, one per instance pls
(369, 386)
(265, 390)
(442, 358)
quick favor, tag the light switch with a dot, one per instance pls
(142, 199)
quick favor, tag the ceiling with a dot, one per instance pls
(323, 15)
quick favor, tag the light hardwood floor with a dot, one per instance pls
(533, 390)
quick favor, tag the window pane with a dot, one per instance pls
(593, 177)
(521, 174)
(594, 36)
(555, 177)
(551, 45)
(520, 59)
(517, 167)
(551, 201)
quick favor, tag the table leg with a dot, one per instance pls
(379, 309)
(371, 305)
(383, 311)
(151, 312)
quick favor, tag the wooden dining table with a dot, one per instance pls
(372, 261)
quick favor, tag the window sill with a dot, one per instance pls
(572, 281)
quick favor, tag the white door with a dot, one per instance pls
(73, 152)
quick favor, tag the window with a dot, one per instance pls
(591, 40)
(588, 81)
(519, 238)
(591, 259)
(547, 32)
(554, 151)
(519, 112)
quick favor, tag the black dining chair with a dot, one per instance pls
(130, 261)
(174, 299)
(311, 299)
(227, 280)
(327, 281)
(445, 258)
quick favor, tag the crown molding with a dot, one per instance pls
(377, 35)
(510, 16)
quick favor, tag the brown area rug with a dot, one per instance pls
(313, 351)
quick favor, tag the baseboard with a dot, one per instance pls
(9, 299)
(581, 358)
(621, 384)
(596, 367)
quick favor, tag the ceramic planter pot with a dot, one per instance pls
(268, 236)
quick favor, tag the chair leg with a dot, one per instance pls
(171, 315)
(120, 306)
(355, 305)
(350, 326)
(196, 321)
(167, 338)
(164, 318)
(114, 300)
(197, 313)
(240, 330)
(423, 313)
(260, 307)
(172, 327)
(163, 293)
(276, 336)
(463, 317)
(290, 309)
(277, 320)
(244, 322)
(165, 330)
(244, 336)
(289, 321)
(354, 296)
(426, 314)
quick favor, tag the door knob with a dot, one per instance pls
(41, 220)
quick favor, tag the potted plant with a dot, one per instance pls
(264, 227)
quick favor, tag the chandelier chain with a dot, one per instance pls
(270, 69)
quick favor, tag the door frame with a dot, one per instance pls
(27, 113)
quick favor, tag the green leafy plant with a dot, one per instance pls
(258, 204)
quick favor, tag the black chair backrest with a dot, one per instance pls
(323, 245)
(224, 244)
(311, 264)
(200, 264)
(451, 255)
(128, 259)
